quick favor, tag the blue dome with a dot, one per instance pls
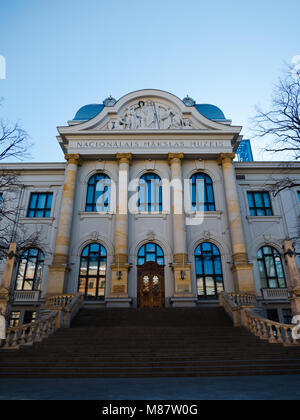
(211, 112)
(88, 112)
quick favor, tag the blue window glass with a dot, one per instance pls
(259, 203)
(202, 193)
(40, 205)
(150, 252)
(150, 193)
(208, 271)
(98, 194)
(30, 268)
(270, 268)
(92, 273)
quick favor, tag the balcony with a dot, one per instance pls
(26, 296)
(275, 294)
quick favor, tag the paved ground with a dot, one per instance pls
(237, 388)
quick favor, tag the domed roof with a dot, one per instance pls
(212, 112)
(88, 112)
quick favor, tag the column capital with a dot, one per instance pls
(73, 158)
(225, 157)
(124, 157)
(175, 156)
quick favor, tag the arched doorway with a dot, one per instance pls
(151, 279)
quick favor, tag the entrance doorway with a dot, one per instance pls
(151, 279)
(151, 290)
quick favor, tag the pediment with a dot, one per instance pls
(147, 110)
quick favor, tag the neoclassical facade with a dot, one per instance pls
(150, 209)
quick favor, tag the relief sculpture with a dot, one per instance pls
(149, 115)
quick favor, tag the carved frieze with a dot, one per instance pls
(146, 115)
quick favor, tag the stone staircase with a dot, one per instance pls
(117, 343)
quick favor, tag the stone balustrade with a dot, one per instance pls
(240, 309)
(27, 334)
(67, 306)
(265, 329)
(243, 299)
(59, 301)
(25, 296)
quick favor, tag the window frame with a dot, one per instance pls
(196, 205)
(150, 204)
(39, 263)
(46, 210)
(256, 208)
(275, 254)
(97, 277)
(155, 253)
(213, 258)
(94, 206)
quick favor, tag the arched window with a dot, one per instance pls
(30, 270)
(150, 193)
(150, 252)
(270, 268)
(202, 193)
(92, 274)
(208, 270)
(98, 194)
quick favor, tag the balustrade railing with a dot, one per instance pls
(240, 308)
(265, 329)
(59, 301)
(27, 334)
(67, 306)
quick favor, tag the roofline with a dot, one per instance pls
(29, 166)
(268, 165)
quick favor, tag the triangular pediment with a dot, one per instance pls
(147, 110)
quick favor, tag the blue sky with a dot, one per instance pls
(62, 54)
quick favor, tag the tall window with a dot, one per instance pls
(30, 270)
(202, 193)
(92, 274)
(40, 205)
(259, 203)
(150, 193)
(98, 194)
(208, 270)
(270, 268)
(150, 252)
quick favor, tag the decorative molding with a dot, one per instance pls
(146, 114)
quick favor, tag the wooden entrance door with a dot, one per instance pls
(151, 285)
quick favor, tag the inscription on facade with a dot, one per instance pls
(165, 144)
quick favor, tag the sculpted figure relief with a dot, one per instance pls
(149, 115)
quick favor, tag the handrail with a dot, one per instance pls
(71, 310)
(265, 329)
(243, 299)
(240, 308)
(27, 334)
(53, 302)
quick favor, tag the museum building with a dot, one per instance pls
(151, 209)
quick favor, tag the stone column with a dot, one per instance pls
(5, 286)
(294, 277)
(59, 268)
(181, 267)
(242, 270)
(120, 267)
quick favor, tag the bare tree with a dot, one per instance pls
(14, 144)
(282, 122)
